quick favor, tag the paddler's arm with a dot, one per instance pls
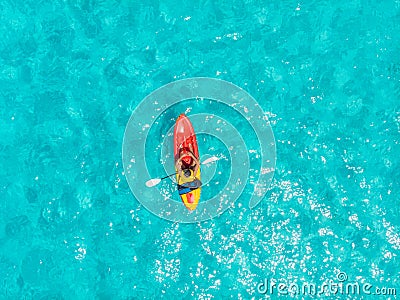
(196, 168)
(178, 167)
(195, 161)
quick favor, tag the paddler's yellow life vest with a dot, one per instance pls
(185, 179)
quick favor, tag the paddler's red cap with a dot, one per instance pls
(187, 160)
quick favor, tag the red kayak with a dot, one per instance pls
(185, 140)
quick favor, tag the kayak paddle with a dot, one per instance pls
(155, 181)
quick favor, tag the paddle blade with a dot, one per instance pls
(153, 182)
(209, 160)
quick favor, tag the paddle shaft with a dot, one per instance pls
(169, 175)
(205, 162)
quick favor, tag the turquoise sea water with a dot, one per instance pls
(327, 73)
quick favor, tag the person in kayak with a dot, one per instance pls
(187, 166)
